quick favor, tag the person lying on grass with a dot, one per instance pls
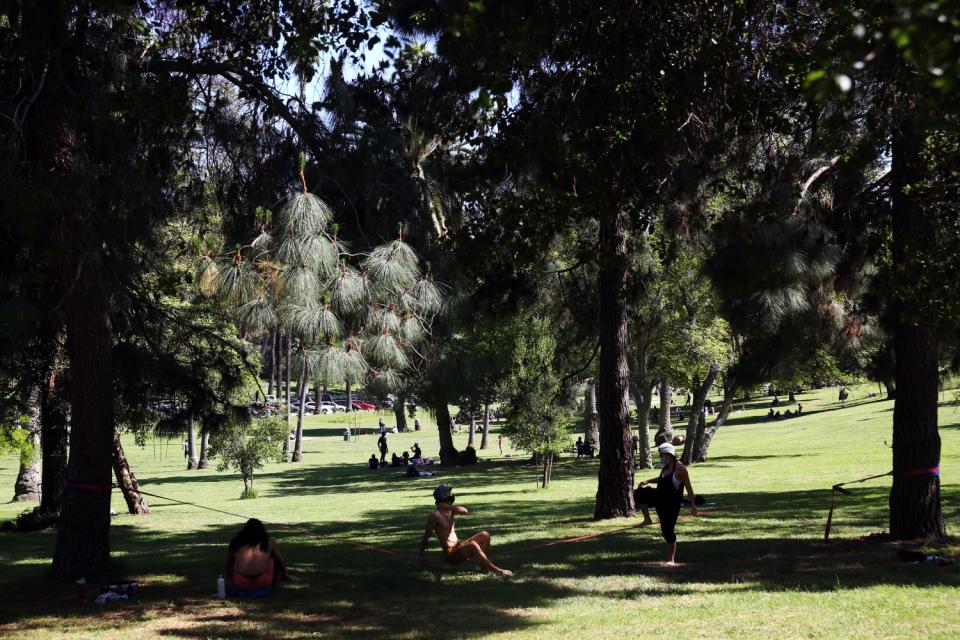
(666, 497)
(254, 561)
(455, 552)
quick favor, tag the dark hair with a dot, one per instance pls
(253, 533)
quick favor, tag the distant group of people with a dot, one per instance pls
(412, 457)
(772, 415)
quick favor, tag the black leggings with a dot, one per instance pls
(668, 514)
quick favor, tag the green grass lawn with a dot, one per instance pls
(754, 566)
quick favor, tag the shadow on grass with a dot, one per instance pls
(755, 541)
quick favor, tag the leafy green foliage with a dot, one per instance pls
(539, 420)
(17, 439)
(247, 447)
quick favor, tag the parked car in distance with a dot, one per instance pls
(360, 405)
(327, 407)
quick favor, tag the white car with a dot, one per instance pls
(327, 407)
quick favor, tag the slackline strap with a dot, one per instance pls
(90, 487)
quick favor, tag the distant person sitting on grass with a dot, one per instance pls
(666, 497)
(254, 563)
(417, 452)
(455, 552)
(372, 463)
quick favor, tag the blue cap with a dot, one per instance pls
(441, 492)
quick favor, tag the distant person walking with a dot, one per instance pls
(382, 445)
(500, 442)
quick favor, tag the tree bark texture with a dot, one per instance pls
(486, 426)
(191, 444)
(26, 488)
(697, 418)
(591, 434)
(53, 435)
(471, 430)
(615, 476)
(643, 396)
(665, 432)
(448, 452)
(350, 397)
(703, 445)
(298, 437)
(83, 544)
(127, 482)
(318, 396)
(204, 462)
(915, 510)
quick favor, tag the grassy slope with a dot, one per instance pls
(753, 567)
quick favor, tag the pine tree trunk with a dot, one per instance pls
(615, 476)
(204, 462)
(83, 531)
(275, 355)
(697, 418)
(287, 373)
(127, 482)
(471, 430)
(448, 452)
(701, 447)
(915, 510)
(665, 432)
(486, 426)
(643, 396)
(287, 453)
(591, 435)
(26, 488)
(53, 435)
(318, 394)
(298, 438)
(266, 353)
(191, 444)
(398, 413)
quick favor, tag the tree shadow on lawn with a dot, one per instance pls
(753, 541)
(757, 541)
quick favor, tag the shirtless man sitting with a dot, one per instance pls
(455, 552)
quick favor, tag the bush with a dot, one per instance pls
(247, 447)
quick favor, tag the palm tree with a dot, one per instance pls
(351, 322)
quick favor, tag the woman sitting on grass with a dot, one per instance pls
(666, 497)
(254, 563)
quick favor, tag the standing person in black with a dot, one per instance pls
(382, 445)
(666, 497)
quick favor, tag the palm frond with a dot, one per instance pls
(236, 282)
(412, 329)
(336, 364)
(313, 322)
(384, 349)
(257, 315)
(382, 318)
(394, 265)
(304, 214)
(298, 284)
(428, 297)
(388, 379)
(350, 290)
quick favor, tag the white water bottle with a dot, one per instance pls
(221, 588)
